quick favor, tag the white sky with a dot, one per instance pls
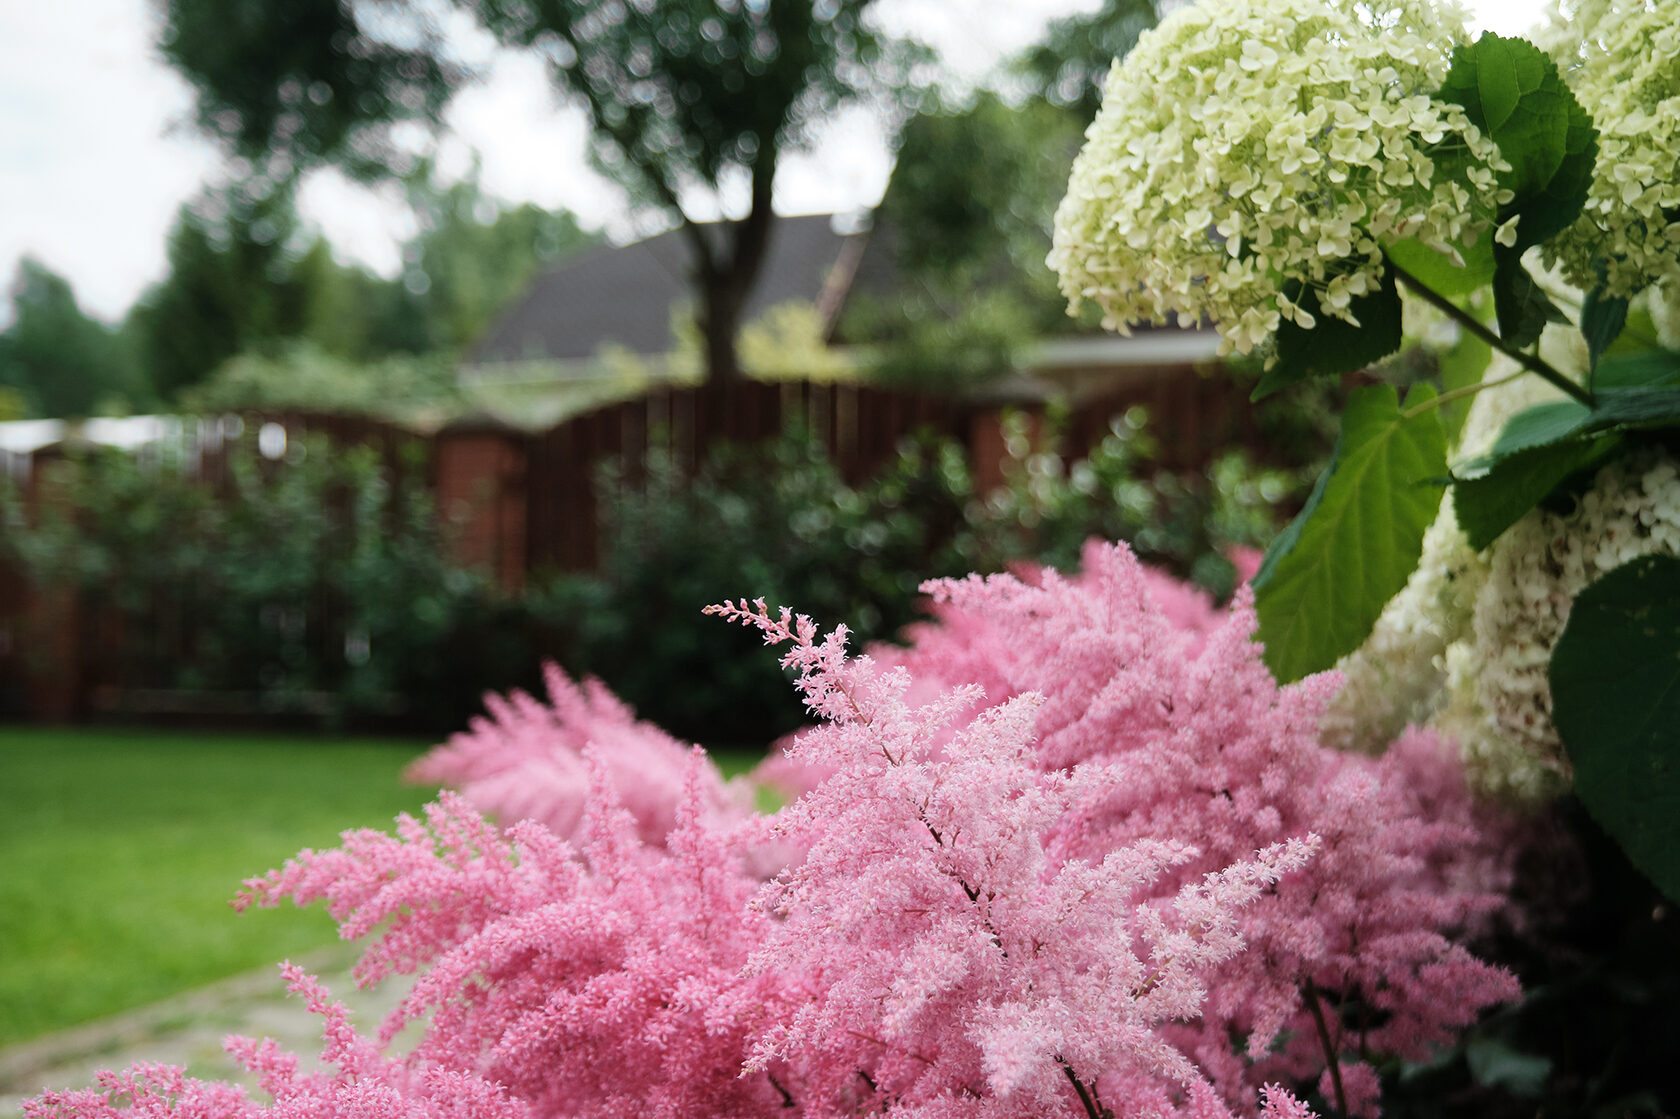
(96, 154)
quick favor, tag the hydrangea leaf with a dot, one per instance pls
(1492, 502)
(1602, 320)
(1520, 304)
(1615, 678)
(1647, 368)
(1438, 271)
(1333, 346)
(1513, 92)
(1462, 365)
(1635, 390)
(1327, 577)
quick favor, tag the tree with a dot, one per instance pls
(473, 256)
(1071, 64)
(231, 285)
(684, 96)
(965, 224)
(54, 358)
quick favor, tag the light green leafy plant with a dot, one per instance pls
(1297, 172)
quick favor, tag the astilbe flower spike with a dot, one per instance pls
(525, 761)
(964, 969)
(1201, 745)
(363, 1083)
(1065, 899)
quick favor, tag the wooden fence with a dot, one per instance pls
(521, 503)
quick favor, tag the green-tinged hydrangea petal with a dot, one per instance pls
(1242, 146)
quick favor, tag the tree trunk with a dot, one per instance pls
(723, 300)
(725, 275)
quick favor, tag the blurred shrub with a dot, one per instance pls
(318, 585)
(777, 521)
(299, 374)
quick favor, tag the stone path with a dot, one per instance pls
(188, 1030)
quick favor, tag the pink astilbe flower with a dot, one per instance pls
(1058, 856)
(357, 1081)
(587, 982)
(1199, 745)
(525, 761)
(963, 969)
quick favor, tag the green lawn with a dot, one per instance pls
(119, 851)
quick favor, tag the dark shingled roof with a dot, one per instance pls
(625, 295)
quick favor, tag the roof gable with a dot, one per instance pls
(625, 296)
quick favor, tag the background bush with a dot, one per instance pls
(778, 521)
(316, 587)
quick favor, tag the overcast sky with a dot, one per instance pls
(96, 154)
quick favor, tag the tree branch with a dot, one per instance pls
(1311, 993)
(1531, 362)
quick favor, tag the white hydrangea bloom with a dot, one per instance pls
(1243, 145)
(1500, 703)
(1621, 64)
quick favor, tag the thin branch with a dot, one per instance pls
(1475, 326)
(1458, 394)
(787, 1100)
(1311, 993)
(1087, 1096)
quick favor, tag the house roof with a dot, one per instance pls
(625, 295)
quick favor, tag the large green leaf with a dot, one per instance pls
(1334, 346)
(1602, 320)
(1510, 90)
(1637, 390)
(1438, 272)
(1615, 677)
(1648, 368)
(1326, 579)
(1519, 303)
(1492, 502)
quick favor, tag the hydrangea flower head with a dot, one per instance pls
(1621, 67)
(1244, 146)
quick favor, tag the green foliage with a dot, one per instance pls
(962, 232)
(240, 291)
(231, 286)
(123, 848)
(473, 256)
(299, 375)
(291, 84)
(1615, 679)
(317, 587)
(779, 522)
(1602, 321)
(1542, 447)
(1328, 576)
(1334, 345)
(57, 361)
(1487, 504)
(1513, 92)
(1071, 64)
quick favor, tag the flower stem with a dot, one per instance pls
(1311, 992)
(1087, 1095)
(1458, 394)
(1475, 326)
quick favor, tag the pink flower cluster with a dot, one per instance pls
(1061, 857)
(526, 761)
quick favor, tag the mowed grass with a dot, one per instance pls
(119, 852)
